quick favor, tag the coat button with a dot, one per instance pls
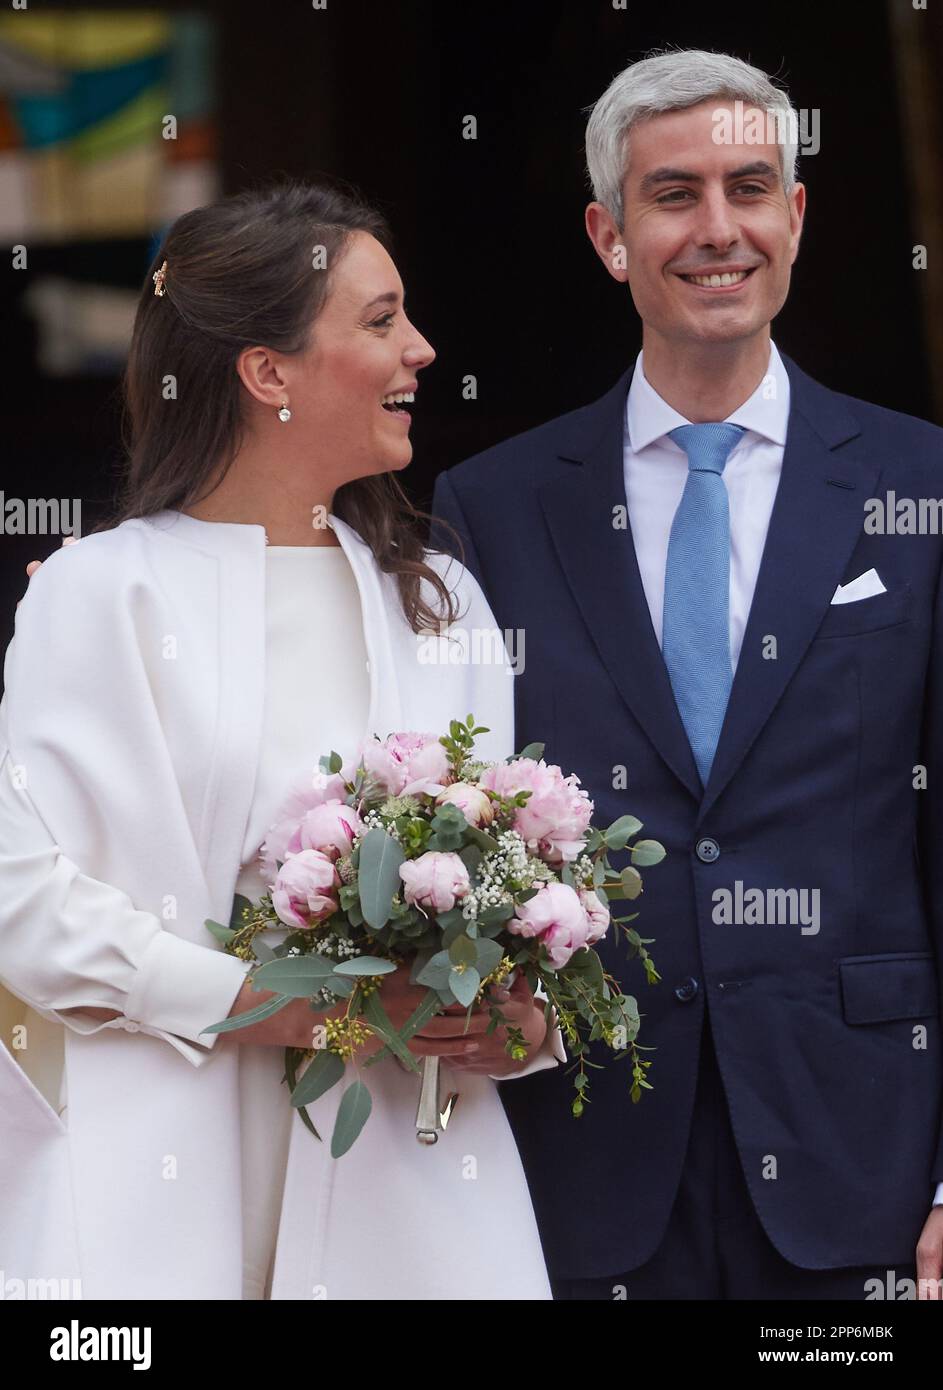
(687, 990)
(132, 1027)
(707, 850)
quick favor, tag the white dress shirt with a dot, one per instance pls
(656, 470)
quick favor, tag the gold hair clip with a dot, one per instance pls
(159, 277)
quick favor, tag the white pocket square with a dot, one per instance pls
(865, 586)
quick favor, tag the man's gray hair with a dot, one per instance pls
(670, 82)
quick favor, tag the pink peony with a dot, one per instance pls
(556, 917)
(301, 894)
(597, 912)
(471, 801)
(407, 763)
(301, 798)
(331, 828)
(435, 880)
(558, 811)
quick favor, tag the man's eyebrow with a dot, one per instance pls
(667, 174)
(391, 297)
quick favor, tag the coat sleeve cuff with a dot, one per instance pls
(181, 988)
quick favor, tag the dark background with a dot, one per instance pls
(489, 234)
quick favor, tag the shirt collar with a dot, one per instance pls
(648, 417)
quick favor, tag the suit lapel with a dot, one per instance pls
(816, 522)
(600, 565)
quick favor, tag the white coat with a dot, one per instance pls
(130, 726)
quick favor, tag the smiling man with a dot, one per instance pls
(711, 626)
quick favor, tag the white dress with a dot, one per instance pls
(391, 1219)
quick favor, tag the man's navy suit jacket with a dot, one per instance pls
(829, 1043)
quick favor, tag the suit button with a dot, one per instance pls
(707, 850)
(687, 990)
(132, 1027)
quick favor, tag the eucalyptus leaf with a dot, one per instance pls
(324, 1071)
(631, 882)
(427, 1007)
(471, 858)
(463, 951)
(621, 830)
(378, 880)
(223, 934)
(435, 973)
(340, 985)
(381, 1023)
(293, 1057)
(453, 930)
(364, 965)
(297, 976)
(352, 1114)
(239, 903)
(490, 954)
(465, 984)
(422, 959)
(533, 750)
(244, 1020)
(450, 918)
(501, 912)
(647, 852)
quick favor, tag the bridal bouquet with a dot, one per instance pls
(466, 871)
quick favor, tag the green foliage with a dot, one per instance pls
(325, 1070)
(448, 828)
(378, 876)
(256, 1015)
(352, 1114)
(460, 742)
(621, 831)
(223, 934)
(297, 977)
(647, 852)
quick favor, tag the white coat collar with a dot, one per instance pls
(379, 596)
(239, 548)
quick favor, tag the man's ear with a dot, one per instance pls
(797, 212)
(607, 241)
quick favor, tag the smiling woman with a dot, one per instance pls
(283, 297)
(172, 678)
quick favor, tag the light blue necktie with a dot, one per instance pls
(696, 621)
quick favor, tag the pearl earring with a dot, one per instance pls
(284, 414)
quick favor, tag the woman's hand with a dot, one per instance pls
(295, 1024)
(31, 569)
(518, 1007)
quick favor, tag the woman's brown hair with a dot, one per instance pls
(239, 274)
